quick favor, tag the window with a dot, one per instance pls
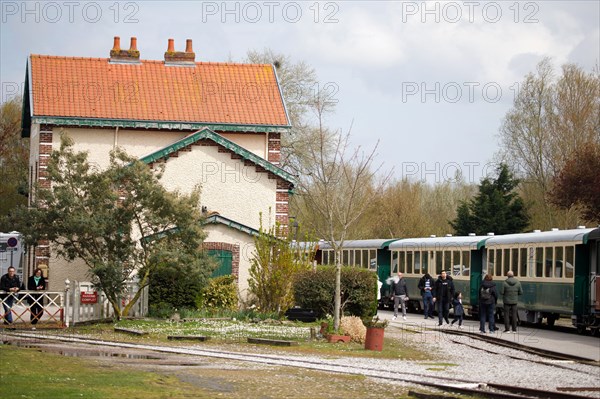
(466, 261)
(457, 265)
(409, 258)
(514, 261)
(505, 263)
(394, 262)
(559, 262)
(569, 261)
(539, 262)
(373, 257)
(522, 263)
(425, 261)
(498, 268)
(345, 260)
(365, 260)
(402, 260)
(447, 261)
(439, 258)
(490, 262)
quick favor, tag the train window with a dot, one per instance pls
(425, 261)
(409, 258)
(498, 268)
(345, 257)
(506, 263)
(448, 261)
(457, 266)
(466, 261)
(402, 261)
(549, 262)
(438, 261)
(394, 262)
(569, 261)
(490, 262)
(522, 263)
(417, 267)
(539, 262)
(373, 257)
(558, 262)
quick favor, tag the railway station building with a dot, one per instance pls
(213, 125)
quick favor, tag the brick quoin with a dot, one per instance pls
(281, 208)
(281, 196)
(46, 137)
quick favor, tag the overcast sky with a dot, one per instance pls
(430, 80)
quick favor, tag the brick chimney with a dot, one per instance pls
(180, 58)
(118, 56)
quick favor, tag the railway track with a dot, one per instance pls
(449, 384)
(523, 348)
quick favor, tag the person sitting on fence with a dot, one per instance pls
(10, 283)
(36, 283)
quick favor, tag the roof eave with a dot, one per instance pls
(147, 124)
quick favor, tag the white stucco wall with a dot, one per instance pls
(222, 233)
(100, 142)
(254, 142)
(60, 270)
(229, 187)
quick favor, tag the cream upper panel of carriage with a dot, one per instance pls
(417, 256)
(548, 255)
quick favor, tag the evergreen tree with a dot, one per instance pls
(496, 208)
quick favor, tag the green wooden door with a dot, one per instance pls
(223, 259)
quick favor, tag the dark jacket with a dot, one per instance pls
(494, 294)
(399, 287)
(32, 286)
(443, 290)
(510, 291)
(422, 281)
(459, 310)
(6, 283)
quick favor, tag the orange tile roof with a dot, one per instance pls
(227, 93)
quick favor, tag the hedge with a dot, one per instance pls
(315, 290)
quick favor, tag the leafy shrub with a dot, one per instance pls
(175, 285)
(354, 327)
(316, 289)
(219, 293)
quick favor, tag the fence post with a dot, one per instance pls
(66, 296)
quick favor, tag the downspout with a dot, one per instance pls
(267, 147)
(116, 137)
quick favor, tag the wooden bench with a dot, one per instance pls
(130, 331)
(275, 342)
(200, 338)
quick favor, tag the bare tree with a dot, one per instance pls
(550, 120)
(335, 189)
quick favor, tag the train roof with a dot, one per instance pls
(463, 242)
(577, 236)
(377, 243)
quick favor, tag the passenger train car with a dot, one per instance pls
(558, 269)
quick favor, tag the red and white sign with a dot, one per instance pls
(89, 297)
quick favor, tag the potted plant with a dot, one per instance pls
(333, 336)
(375, 329)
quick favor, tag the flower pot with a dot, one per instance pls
(374, 339)
(334, 338)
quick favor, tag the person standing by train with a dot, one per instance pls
(487, 303)
(10, 283)
(443, 292)
(426, 287)
(510, 291)
(36, 283)
(400, 293)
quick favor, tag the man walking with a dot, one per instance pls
(510, 291)
(400, 293)
(443, 292)
(10, 283)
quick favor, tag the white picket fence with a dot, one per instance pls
(68, 307)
